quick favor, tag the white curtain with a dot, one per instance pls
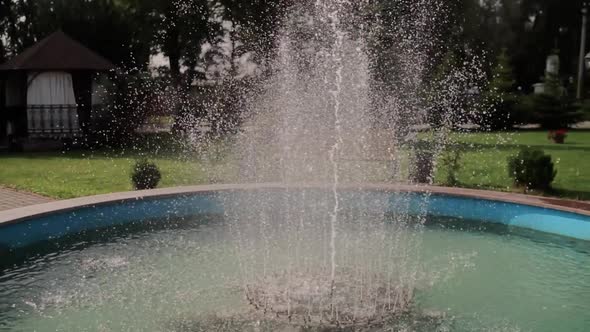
(50, 88)
(46, 89)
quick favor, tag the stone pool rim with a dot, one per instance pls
(37, 211)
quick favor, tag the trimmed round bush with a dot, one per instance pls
(532, 169)
(146, 175)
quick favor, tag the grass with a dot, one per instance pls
(484, 159)
(483, 166)
(76, 174)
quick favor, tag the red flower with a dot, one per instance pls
(557, 135)
(561, 132)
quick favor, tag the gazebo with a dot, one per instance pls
(47, 91)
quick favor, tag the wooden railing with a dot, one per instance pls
(61, 120)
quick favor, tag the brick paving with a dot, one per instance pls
(12, 199)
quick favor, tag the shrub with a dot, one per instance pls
(532, 169)
(146, 175)
(552, 112)
(451, 161)
(552, 109)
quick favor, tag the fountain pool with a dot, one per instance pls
(177, 260)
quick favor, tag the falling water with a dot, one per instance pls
(334, 150)
(326, 256)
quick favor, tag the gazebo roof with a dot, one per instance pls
(57, 52)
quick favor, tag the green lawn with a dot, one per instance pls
(75, 174)
(483, 165)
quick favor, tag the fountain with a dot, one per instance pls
(315, 123)
(316, 239)
(312, 124)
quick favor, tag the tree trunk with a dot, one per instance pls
(174, 57)
(172, 46)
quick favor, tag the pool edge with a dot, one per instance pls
(40, 210)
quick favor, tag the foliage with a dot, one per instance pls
(5, 16)
(437, 114)
(126, 30)
(130, 99)
(539, 27)
(552, 109)
(485, 157)
(101, 25)
(501, 98)
(451, 161)
(552, 112)
(255, 23)
(146, 175)
(178, 29)
(451, 92)
(529, 29)
(532, 168)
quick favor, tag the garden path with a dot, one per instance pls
(12, 199)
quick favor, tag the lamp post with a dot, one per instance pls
(582, 58)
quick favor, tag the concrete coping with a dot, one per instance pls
(36, 211)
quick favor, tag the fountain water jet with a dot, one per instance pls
(316, 122)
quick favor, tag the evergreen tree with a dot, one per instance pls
(437, 112)
(451, 93)
(553, 109)
(500, 96)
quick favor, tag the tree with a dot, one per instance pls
(553, 109)
(500, 96)
(452, 91)
(178, 29)
(5, 11)
(131, 98)
(101, 25)
(539, 27)
(437, 111)
(256, 23)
